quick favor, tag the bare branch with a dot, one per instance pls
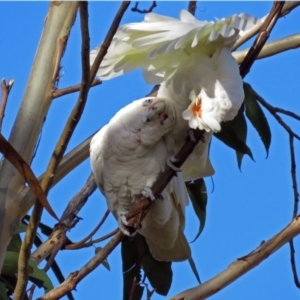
(144, 11)
(242, 265)
(81, 244)
(262, 37)
(75, 277)
(5, 88)
(56, 157)
(192, 7)
(296, 203)
(271, 109)
(271, 48)
(107, 41)
(73, 89)
(68, 220)
(287, 8)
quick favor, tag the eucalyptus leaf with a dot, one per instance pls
(39, 276)
(198, 195)
(229, 137)
(257, 117)
(3, 292)
(194, 269)
(159, 273)
(131, 271)
(105, 262)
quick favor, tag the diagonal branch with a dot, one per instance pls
(287, 8)
(262, 37)
(242, 265)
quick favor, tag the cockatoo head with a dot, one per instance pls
(154, 117)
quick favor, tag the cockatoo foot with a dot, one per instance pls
(126, 227)
(170, 163)
(147, 192)
(191, 135)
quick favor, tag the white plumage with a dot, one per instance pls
(191, 60)
(127, 155)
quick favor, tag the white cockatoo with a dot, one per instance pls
(192, 62)
(127, 155)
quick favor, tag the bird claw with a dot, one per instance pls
(191, 135)
(125, 227)
(170, 163)
(147, 192)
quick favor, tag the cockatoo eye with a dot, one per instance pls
(147, 102)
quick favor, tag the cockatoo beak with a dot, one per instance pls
(156, 110)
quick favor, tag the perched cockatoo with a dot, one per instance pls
(192, 62)
(127, 155)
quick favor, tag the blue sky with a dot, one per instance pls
(245, 207)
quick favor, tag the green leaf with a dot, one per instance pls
(105, 262)
(194, 269)
(198, 195)
(10, 264)
(159, 273)
(39, 277)
(257, 117)
(131, 270)
(15, 243)
(36, 275)
(240, 126)
(20, 228)
(3, 293)
(229, 137)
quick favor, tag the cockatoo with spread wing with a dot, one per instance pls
(127, 155)
(192, 62)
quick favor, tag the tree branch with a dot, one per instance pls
(107, 41)
(271, 48)
(242, 265)
(262, 37)
(57, 155)
(287, 8)
(5, 88)
(68, 221)
(72, 89)
(144, 11)
(192, 7)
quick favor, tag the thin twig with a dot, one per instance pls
(81, 243)
(144, 11)
(296, 203)
(93, 242)
(242, 265)
(5, 88)
(75, 277)
(270, 108)
(192, 7)
(262, 37)
(72, 89)
(68, 221)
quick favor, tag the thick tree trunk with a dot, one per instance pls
(29, 121)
